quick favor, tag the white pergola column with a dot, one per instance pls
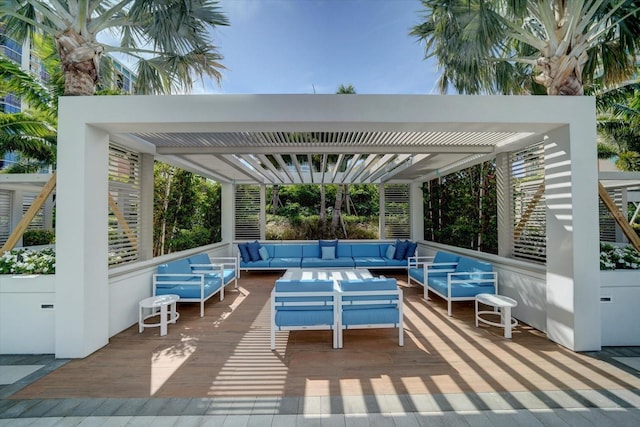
(573, 268)
(382, 225)
(263, 213)
(417, 211)
(82, 324)
(227, 208)
(504, 205)
(145, 242)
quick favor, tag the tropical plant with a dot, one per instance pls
(557, 46)
(169, 40)
(614, 257)
(26, 261)
(31, 133)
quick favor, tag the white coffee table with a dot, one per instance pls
(161, 305)
(501, 303)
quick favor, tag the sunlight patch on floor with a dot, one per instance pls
(166, 362)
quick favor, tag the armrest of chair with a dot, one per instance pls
(415, 261)
(474, 277)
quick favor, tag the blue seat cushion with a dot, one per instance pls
(396, 262)
(255, 264)
(313, 317)
(211, 285)
(373, 301)
(459, 290)
(279, 262)
(199, 259)
(284, 286)
(310, 251)
(417, 274)
(371, 316)
(344, 250)
(319, 262)
(373, 261)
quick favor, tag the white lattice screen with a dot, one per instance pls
(529, 212)
(38, 221)
(397, 211)
(247, 213)
(5, 215)
(124, 205)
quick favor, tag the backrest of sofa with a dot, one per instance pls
(365, 250)
(375, 284)
(473, 265)
(288, 251)
(304, 285)
(178, 266)
(199, 259)
(311, 251)
(445, 257)
(343, 250)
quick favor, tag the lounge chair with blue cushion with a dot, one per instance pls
(370, 303)
(303, 305)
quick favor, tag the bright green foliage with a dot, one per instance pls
(169, 40)
(510, 47)
(186, 210)
(461, 209)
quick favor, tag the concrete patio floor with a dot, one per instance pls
(218, 370)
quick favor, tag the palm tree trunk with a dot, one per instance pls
(337, 216)
(80, 63)
(275, 199)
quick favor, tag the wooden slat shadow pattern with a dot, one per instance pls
(226, 354)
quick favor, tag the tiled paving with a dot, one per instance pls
(219, 371)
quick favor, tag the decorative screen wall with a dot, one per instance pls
(124, 205)
(607, 222)
(247, 212)
(529, 214)
(397, 211)
(5, 215)
(38, 221)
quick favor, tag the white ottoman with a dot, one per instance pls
(161, 305)
(502, 306)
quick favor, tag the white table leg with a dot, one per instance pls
(476, 313)
(506, 319)
(163, 320)
(140, 320)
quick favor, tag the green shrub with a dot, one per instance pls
(26, 261)
(613, 258)
(38, 237)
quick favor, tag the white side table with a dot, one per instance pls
(501, 303)
(162, 305)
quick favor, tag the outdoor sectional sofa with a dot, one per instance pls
(282, 256)
(312, 304)
(452, 277)
(196, 278)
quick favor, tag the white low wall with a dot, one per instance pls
(523, 281)
(27, 314)
(619, 298)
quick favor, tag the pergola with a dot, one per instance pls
(285, 139)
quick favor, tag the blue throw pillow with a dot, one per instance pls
(391, 251)
(324, 243)
(244, 252)
(264, 253)
(411, 249)
(328, 252)
(401, 249)
(254, 251)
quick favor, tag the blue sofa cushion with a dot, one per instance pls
(370, 261)
(401, 249)
(417, 274)
(310, 251)
(264, 253)
(390, 252)
(284, 262)
(254, 251)
(323, 243)
(287, 251)
(199, 259)
(319, 262)
(449, 262)
(286, 318)
(304, 285)
(370, 316)
(344, 250)
(411, 249)
(244, 252)
(375, 284)
(179, 266)
(328, 252)
(365, 250)
(255, 264)
(460, 289)
(211, 285)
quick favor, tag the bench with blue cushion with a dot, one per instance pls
(453, 277)
(371, 303)
(196, 278)
(282, 256)
(303, 305)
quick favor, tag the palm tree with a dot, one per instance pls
(31, 133)
(557, 46)
(619, 126)
(168, 39)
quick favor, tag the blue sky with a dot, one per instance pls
(302, 46)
